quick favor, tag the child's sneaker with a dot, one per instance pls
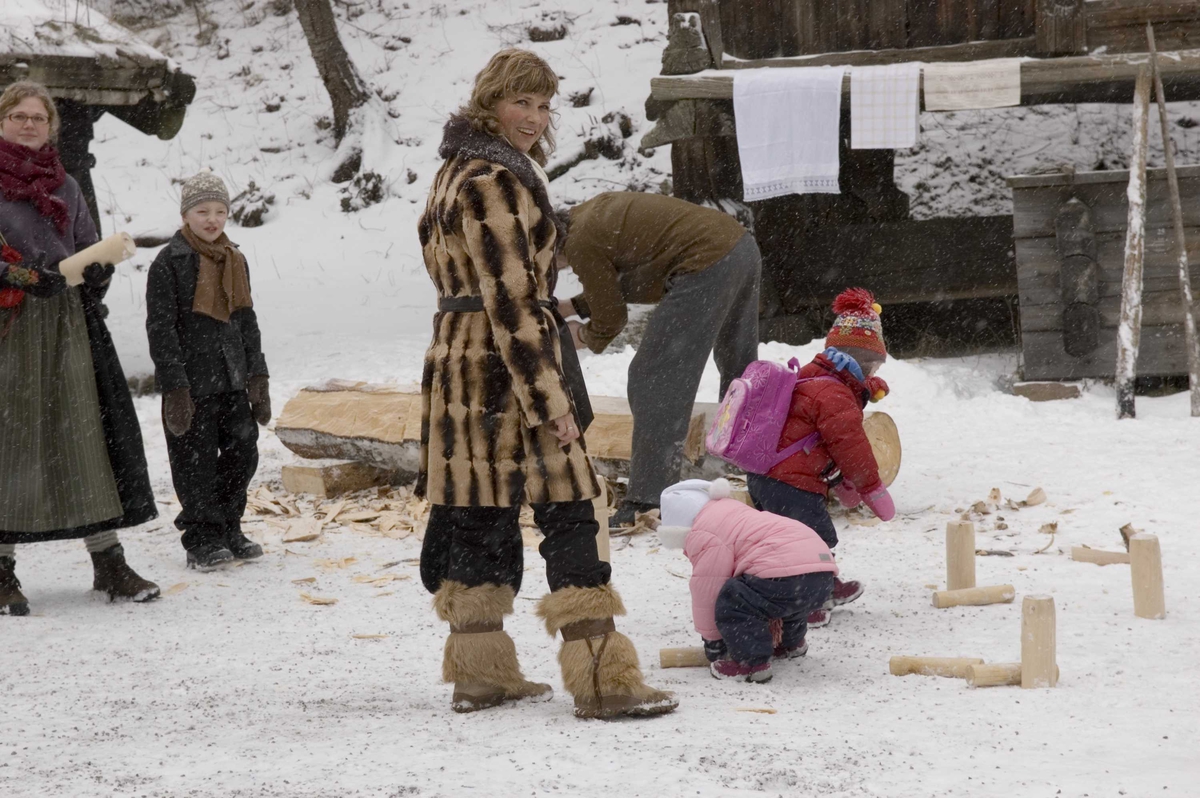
(844, 592)
(818, 618)
(782, 652)
(728, 669)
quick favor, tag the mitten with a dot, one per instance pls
(877, 387)
(843, 362)
(98, 276)
(847, 495)
(258, 387)
(880, 502)
(178, 410)
(715, 650)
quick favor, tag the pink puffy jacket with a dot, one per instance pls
(729, 539)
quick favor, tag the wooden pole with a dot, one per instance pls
(1129, 327)
(974, 596)
(952, 667)
(1038, 644)
(960, 555)
(996, 675)
(692, 657)
(1145, 560)
(1185, 279)
(600, 503)
(1099, 556)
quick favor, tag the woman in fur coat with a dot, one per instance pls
(500, 424)
(71, 457)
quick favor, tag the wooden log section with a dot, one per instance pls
(1000, 674)
(1129, 330)
(1099, 556)
(1145, 558)
(974, 596)
(960, 555)
(950, 667)
(328, 479)
(692, 657)
(1039, 667)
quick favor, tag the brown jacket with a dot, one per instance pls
(493, 379)
(626, 246)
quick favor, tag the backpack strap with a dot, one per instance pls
(810, 441)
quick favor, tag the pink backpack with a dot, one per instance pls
(750, 418)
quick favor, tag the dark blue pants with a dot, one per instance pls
(746, 605)
(780, 498)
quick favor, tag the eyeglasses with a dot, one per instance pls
(39, 120)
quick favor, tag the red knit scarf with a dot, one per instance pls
(31, 176)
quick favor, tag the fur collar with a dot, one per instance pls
(459, 138)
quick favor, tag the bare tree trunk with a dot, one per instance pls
(1129, 326)
(346, 88)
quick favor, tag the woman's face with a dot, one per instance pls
(207, 220)
(523, 119)
(28, 124)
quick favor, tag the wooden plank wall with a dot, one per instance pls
(1162, 350)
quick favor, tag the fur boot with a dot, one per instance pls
(480, 658)
(599, 664)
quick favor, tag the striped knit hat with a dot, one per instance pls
(857, 323)
(202, 187)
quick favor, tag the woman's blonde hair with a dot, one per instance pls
(23, 90)
(509, 73)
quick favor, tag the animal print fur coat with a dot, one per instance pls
(493, 380)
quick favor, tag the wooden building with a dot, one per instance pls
(91, 66)
(815, 245)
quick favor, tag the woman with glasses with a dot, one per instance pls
(71, 458)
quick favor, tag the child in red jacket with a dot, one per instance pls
(841, 460)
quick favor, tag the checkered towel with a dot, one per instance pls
(884, 106)
(994, 83)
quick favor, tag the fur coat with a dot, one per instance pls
(493, 380)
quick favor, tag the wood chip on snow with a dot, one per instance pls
(320, 601)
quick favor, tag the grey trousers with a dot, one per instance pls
(716, 311)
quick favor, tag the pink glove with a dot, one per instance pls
(880, 502)
(847, 495)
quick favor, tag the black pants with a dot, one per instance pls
(212, 465)
(780, 498)
(747, 604)
(481, 545)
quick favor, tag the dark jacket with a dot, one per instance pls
(835, 409)
(191, 350)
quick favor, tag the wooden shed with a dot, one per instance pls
(1070, 251)
(815, 245)
(91, 66)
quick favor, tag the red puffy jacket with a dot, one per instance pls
(835, 409)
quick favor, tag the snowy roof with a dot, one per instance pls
(78, 53)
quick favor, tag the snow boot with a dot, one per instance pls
(209, 557)
(627, 513)
(727, 669)
(480, 658)
(791, 652)
(818, 618)
(117, 579)
(599, 664)
(12, 600)
(844, 592)
(240, 546)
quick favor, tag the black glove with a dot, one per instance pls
(258, 387)
(715, 650)
(96, 276)
(177, 411)
(34, 278)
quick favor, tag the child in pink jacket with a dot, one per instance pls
(748, 569)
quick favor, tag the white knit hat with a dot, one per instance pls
(682, 502)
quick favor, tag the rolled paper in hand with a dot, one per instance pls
(114, 249)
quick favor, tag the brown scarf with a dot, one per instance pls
(222, 282)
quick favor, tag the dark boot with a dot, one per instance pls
(240, 546)
(480, 658)
(599, 664)
(117, 579)
(12, 600)
(209, 557)
(627, 513)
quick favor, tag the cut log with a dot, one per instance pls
(326, 479)
(1047, 391)
(950, 667)
(1145, 559)
(974, 596)
(997, 675)
(692, 657)
(960, 555)
(1038, 642)
(1099, 556)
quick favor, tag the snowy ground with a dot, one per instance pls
(231, 685)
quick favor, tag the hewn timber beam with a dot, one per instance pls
(1085, 78)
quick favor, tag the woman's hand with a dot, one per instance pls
(565, 430)
(576, 338)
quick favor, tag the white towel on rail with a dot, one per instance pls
(959, 86)
(884, 105)
(787, 129)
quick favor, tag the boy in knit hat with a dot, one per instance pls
(841, 460)
(750, 571)
(209, 365)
